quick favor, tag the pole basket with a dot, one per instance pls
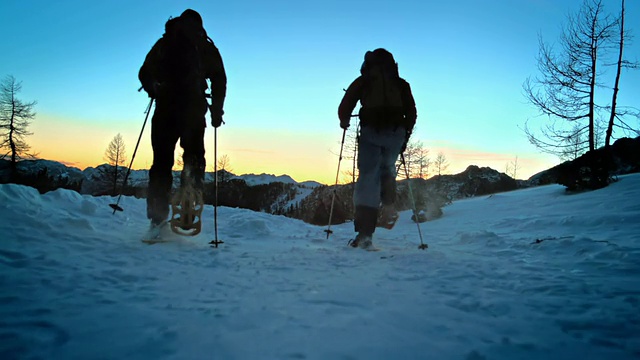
(116, 207)
(215, 243)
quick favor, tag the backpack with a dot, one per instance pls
(381, 99)
(382, 82)
(179, 64)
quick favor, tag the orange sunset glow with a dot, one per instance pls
(301, 155)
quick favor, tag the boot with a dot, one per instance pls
(362, 241)
(365, 219)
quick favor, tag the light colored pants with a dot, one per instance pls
(377, 155)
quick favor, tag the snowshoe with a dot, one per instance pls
(186, 212)
(387, 218)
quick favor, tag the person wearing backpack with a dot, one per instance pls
(387, 117)
(174, 73)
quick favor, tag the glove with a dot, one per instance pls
(153, 89)
(344, 123)
(216, 117)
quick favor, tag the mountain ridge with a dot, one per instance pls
(312, 201)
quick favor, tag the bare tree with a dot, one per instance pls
(423, 163)
(615, 113)
(416, 157)
(224, 166)
(15, 117)
(441, 163)
(575, 143)
(566, 90)
(350, 152)
(115, 155)
(513, 167)
(349, 176)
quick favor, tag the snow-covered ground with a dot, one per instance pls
(529, 274)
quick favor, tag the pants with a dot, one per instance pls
(378, 152)
(177, 117)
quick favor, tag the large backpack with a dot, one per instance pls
(179, 63)
(381, 100)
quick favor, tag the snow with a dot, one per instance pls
(310, 184)
(141, 177)
(54, 169)
(301, 193)
(263, 179)
(529, 274)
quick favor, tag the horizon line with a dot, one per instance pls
(66, 164)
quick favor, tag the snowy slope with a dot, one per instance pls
(141, 177)
(54, 169)
(529, 274)
(262, 179)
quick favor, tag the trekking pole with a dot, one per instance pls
(355, 156)
(116, 206)
(413, 203)
(333, 198)
(215, 241)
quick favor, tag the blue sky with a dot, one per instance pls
(287, 63)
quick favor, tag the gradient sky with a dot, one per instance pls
(287, 64)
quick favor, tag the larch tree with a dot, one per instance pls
(512, 168)
(566, 90)
(441, 163)
(224, 166)
(616, 114)
(15, 118)
(417, 160)
(116, 156)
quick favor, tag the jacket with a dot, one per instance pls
(376, 116)
(211, 67)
